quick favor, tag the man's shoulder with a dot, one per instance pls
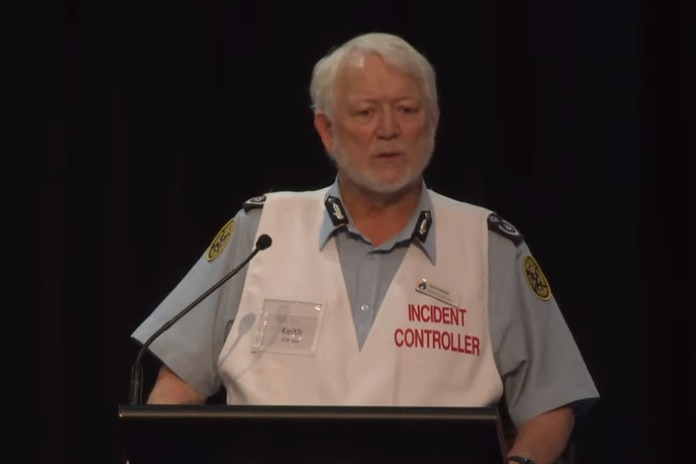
(447, 203)
(502, 227)
(259, 201)
(496, 223)
(255, 202)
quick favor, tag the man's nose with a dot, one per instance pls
(388, 125)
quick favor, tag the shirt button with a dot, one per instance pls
(364, 307)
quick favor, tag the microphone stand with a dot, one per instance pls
(135, 393)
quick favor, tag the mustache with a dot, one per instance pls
(396, 147)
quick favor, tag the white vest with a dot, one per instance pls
(301, 349)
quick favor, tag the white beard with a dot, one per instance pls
(371, 180)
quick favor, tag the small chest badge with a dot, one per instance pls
(427, 288)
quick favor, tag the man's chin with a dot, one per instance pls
(389, 187)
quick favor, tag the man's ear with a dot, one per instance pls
(323, 126)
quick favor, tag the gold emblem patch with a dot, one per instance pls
(221, 240)
(536, 279)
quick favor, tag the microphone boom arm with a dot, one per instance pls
(135, 393)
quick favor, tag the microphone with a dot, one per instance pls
(135, 393)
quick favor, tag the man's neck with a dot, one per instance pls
(380, 216)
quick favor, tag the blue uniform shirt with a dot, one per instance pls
(368, 270)
(534, 350)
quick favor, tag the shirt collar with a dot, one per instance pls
(419, 230)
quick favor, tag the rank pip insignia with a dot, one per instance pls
(425, 220)
(255, 202)
(221, 240)
(504, 228)
(536, 279)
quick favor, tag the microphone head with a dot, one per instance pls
(263, 242)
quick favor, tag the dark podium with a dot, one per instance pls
(222, 434)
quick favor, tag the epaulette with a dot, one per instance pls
(254, 202)
(502, 227)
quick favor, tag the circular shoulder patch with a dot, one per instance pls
(536, 279)
(221, 240)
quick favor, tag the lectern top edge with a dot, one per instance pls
(296, 412)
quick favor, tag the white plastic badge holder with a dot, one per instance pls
(289, 327)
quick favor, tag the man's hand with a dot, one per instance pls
(544, 438)
(170, 389)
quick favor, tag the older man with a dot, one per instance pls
(377, 290)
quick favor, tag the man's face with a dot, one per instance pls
(382, 131)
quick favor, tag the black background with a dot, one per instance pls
(149, 123)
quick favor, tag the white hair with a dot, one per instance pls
(394, 50)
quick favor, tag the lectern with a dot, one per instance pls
(225, 434)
